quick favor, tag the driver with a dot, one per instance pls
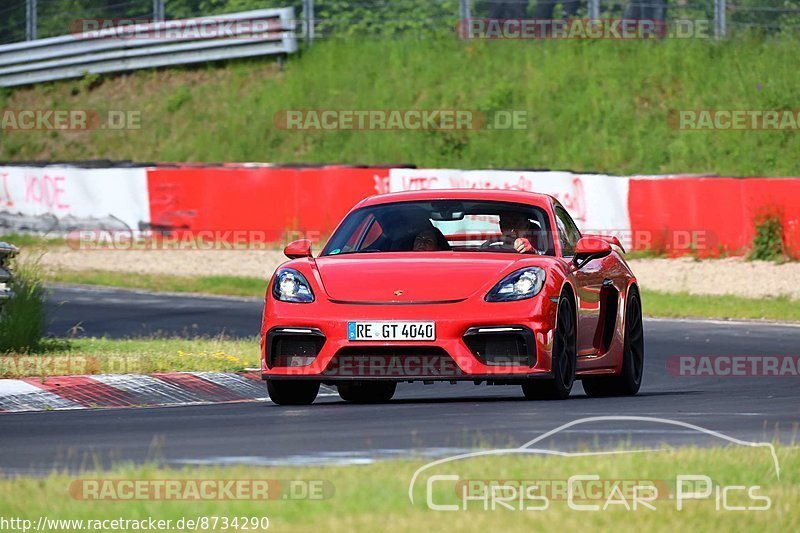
(426, 241)
(516, 230)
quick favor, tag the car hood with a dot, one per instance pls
(411, 278)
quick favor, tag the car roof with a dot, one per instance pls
(496, 195)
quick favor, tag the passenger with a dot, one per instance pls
(516, 230)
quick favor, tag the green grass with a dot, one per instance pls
(216, 285)
(374, 497)
(22, 316)
(31, 240)
(594, 106)
(56, 357)
(656, 304)
(690, 305)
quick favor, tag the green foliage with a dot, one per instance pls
(387, 18)
(22, 317)
(179, 98)
(598, 106)
(768, 241)
(343, 18)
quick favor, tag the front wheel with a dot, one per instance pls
(629, 380)
(564, 361)
(291, 392)
(367, 392)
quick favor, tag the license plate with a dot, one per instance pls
(391, 331)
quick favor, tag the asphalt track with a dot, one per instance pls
(423, 420)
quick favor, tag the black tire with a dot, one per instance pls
(630, 378)
(565, 357)
(291, 392)
(367, 391)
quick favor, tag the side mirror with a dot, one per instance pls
(591, 248)
(298, 249)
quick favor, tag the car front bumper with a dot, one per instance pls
(329, 356)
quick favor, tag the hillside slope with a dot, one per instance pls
(594, 106)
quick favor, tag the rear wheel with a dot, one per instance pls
(630, 378)
(291, 392)
(367, 391)
(564, 359)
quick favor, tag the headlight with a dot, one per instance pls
(519, 285)
(291, 286)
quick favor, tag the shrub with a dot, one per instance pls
(768, 241)
(22, 317)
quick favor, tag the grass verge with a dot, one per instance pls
(60, 357)
(375, 497)
(22, 316)
(683, 305)
(657, 304)
(216, 285)
(594, 105)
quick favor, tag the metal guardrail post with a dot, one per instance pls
(7, 251)
(159, 13)
(309, 23)
(31, 22)
(465, 10)
(594, 9)
(720, 19)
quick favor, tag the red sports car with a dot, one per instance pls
(451, 285)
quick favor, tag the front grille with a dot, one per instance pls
(293, 346)
(412, 362)
(502, 345)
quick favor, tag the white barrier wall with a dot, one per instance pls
(598, 203)
(66, 198)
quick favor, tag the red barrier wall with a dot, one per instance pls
(665, 213)
(722, 210)
(268, 200)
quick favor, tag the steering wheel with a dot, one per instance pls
(495, 242)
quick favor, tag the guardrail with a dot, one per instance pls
(7, 251)
(96, 49)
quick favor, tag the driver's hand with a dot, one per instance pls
(523, 245)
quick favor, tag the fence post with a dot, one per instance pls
(30, 18)
(309, 23)
(594, 9)
(465, 10)
(720, 19)
(464, 14)
(159, 12)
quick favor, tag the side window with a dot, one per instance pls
(568, 232)
(366, 233)
(374, 233)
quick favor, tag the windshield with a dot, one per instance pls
(442, 225)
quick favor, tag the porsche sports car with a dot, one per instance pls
(495, 287)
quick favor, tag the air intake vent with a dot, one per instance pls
(502, 345)
(293, 346)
